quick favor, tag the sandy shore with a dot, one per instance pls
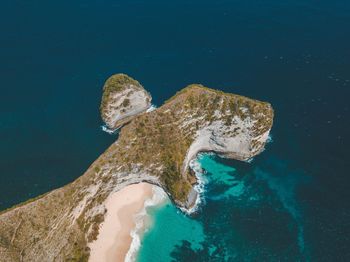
(114, 238)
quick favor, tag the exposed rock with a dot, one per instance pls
(122, 99)
(153, 147)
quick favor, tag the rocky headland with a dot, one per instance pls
(154, 147)
(122, 99)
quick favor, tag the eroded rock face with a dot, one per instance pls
(153, 147)
(122, 99)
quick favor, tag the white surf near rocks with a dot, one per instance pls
(141, 219)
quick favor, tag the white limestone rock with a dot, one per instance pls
(123, 98)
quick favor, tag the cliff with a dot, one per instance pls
(123, 98)
(154, 147)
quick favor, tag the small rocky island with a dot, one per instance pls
(121, 101)
(153, 146)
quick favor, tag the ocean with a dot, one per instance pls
(290, 204)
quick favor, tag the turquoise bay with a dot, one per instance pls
(238, 206)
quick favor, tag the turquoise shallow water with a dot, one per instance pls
(169, 227)
(243, 217)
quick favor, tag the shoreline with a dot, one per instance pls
(126, 220)
(199, 187)
(114, 240)
(143, 222)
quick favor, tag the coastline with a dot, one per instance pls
(199, 187)
(114, 239)
(126, 220)
(143, 222)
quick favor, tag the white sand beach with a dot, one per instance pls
(114, 240)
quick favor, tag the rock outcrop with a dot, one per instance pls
(153, 147)
(123, 98)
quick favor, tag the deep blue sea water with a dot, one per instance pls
(295, 201)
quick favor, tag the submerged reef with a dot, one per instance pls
(153, 146)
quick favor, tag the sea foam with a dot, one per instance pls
(269, 139)
(108, 130)
(158, 197)
(200, 185)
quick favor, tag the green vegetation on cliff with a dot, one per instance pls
(162, 138)
(114, 84)
(122, 98)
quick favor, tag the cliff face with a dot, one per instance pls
(153, 147)
(123, 98)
